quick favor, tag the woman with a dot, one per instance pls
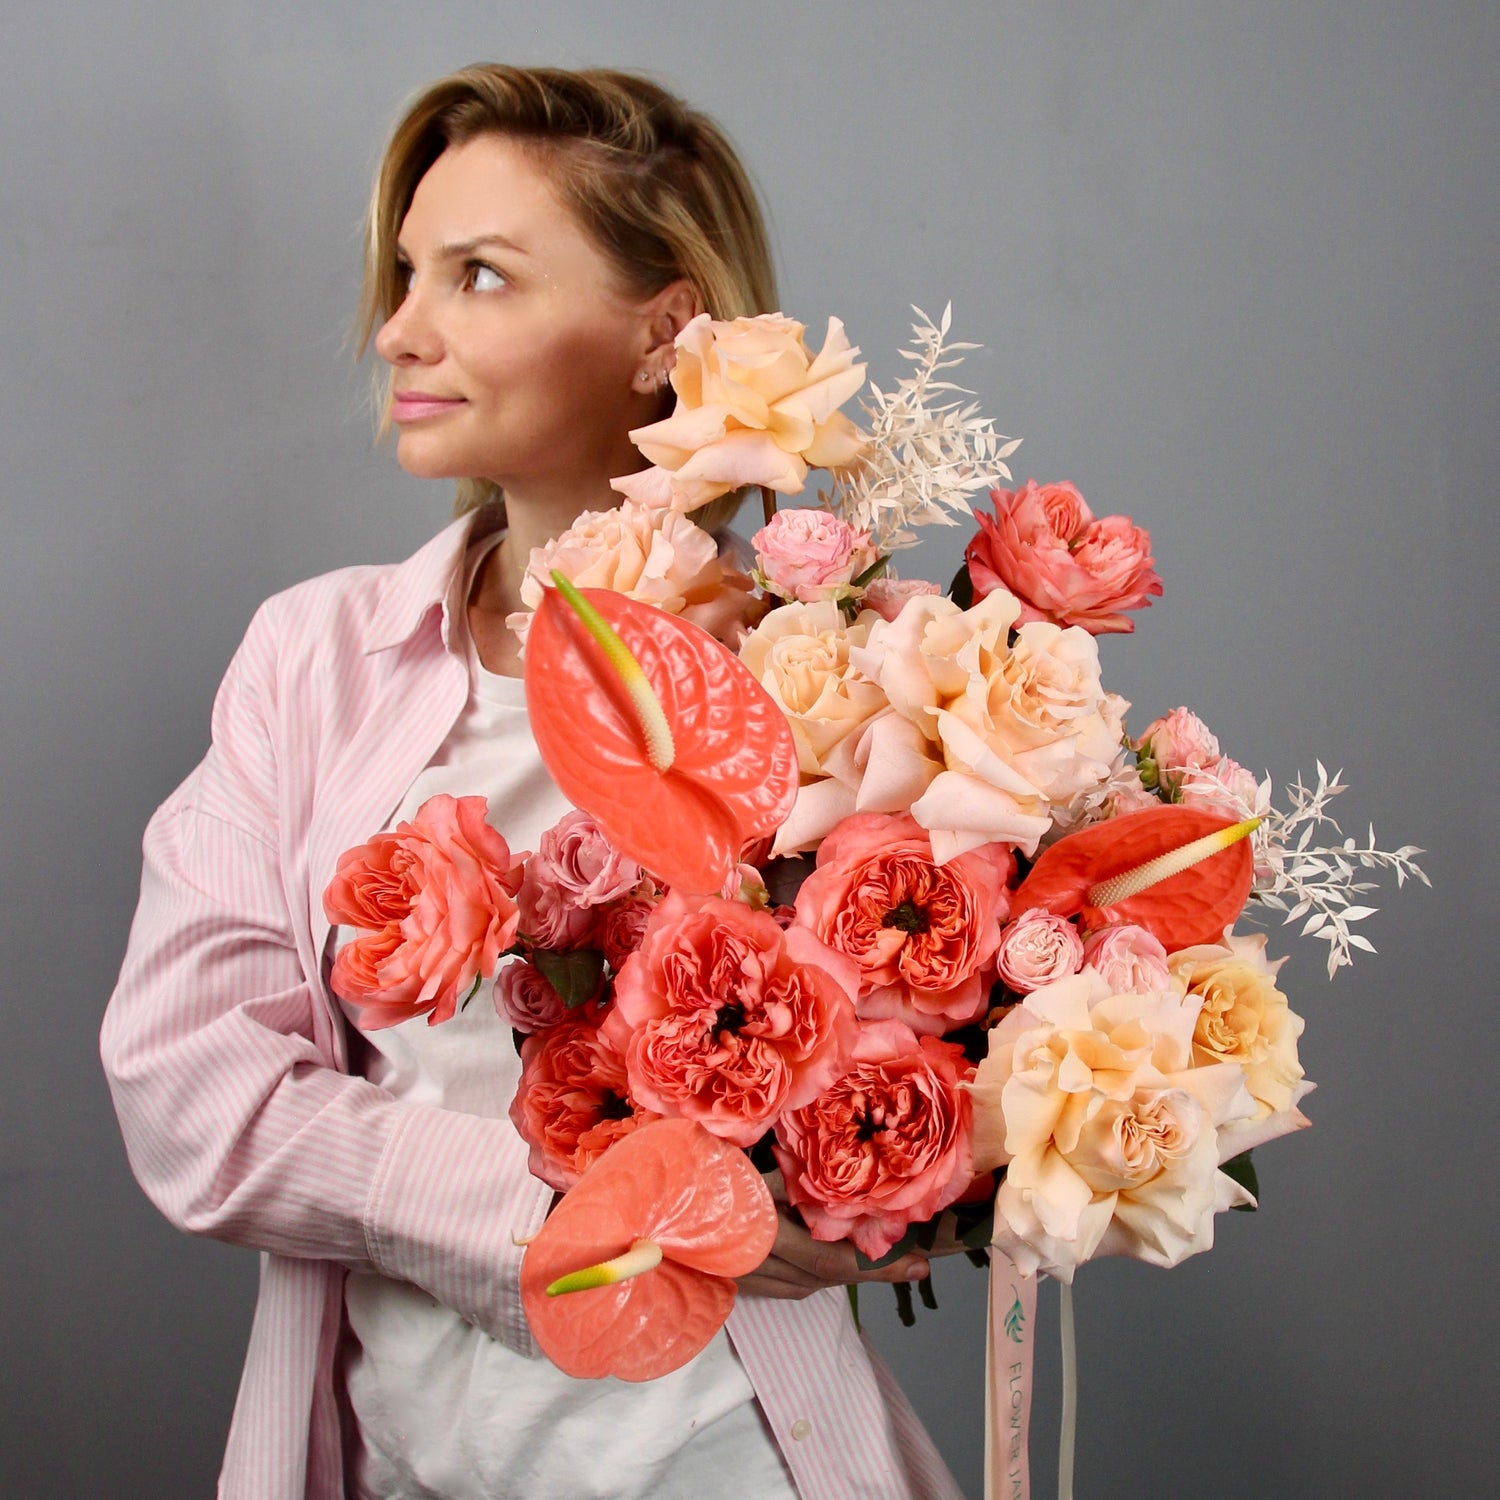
(537, 239)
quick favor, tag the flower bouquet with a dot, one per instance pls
(868, 890)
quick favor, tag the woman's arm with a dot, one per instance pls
(235, 1124)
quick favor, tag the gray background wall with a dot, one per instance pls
(1232, 262)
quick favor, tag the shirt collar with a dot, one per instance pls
(426, 580)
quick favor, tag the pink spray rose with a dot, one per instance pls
(886, 1146)
(572, 874)
(573, 1102)
(622, 925)
(525, 999)
(809, 555)
(434, 904)
(1172, 744)
(1038, 948)
(725, 1019)
(886, 595)
(1130, 960)
(1044, 545)
(923, 935)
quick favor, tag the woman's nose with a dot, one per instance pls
(408, 336)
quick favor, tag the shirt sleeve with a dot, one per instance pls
(235, 1125)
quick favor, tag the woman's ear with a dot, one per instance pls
(669, 312)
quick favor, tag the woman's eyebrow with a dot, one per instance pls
(460, 248)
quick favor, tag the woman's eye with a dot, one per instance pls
(483, 278)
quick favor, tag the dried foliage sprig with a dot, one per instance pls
(1318, 882)
(927, 454)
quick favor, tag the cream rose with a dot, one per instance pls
(1109, 1134)
(657, 556)
(754, 406)
(1012, 732)
(1244, 1018)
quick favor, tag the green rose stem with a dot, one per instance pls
(660, 750)
(1142, 877)
(642, 1256)
(1069, 1428)
(767, 502)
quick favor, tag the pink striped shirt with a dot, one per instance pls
(227, 1059)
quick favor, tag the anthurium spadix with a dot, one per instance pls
(1182, 873)
(632, 1274)
(658, 732)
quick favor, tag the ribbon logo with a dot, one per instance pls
(1015, 1321)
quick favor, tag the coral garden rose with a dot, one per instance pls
(1128, 959)
(573, 1102)
(1008, 731)
(525, 998)
(1244, 1018)
(1044, 545)
(754, 406)
(657, 556)
(885, 1146)
(1038, 948)
(800, 654)
(433, 903)
(1110, 1132)
(922, 935)
(809, 555)
(726, 1019)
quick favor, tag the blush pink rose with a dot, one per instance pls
(810, 555)
(622, 925)
(725, 1019)
(1130, 960)
(886, 596)
(433, 902)
(573, 1101)
(1038, 948)
(1223, 786)
(1172, 744)
(922, 935)
(1085, 577)
(525, 999)
(886, 1146)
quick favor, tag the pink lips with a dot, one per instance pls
(413, 406)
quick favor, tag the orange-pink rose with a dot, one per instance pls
(922, 935)
(434, 903)
(725, 1019)
(886, 1146)
(573, 1102)
(1045, 546)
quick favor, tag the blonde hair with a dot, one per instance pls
(656, 184)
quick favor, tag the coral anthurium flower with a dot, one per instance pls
(1077, 876)
(657, 1227)
(674, 749)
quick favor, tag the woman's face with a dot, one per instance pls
(515, 355)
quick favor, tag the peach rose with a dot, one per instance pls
(885, 1146)
(525, 999)
(1045, 546)
(809, 555)
(1010, 731)
(800, 655)
(1244, 1018)
(754, 406)
(886, 595)
(657, 556)
(1128, 959)
(725, 1019)
(434, 904)
(923, 936)
(1111, 1137)
(573, 1101)
(1038, 948)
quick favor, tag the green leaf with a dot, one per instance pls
(576, 975)
(871, 573)
(906, 1243)
(961, 590)
(852, 1288)
(1241, 1169)
(980, 1234)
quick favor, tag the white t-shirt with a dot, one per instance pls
(440, 1408)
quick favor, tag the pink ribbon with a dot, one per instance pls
(1008, 1344)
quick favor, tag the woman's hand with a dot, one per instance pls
(799, 1265)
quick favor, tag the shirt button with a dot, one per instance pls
(801, 1428)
